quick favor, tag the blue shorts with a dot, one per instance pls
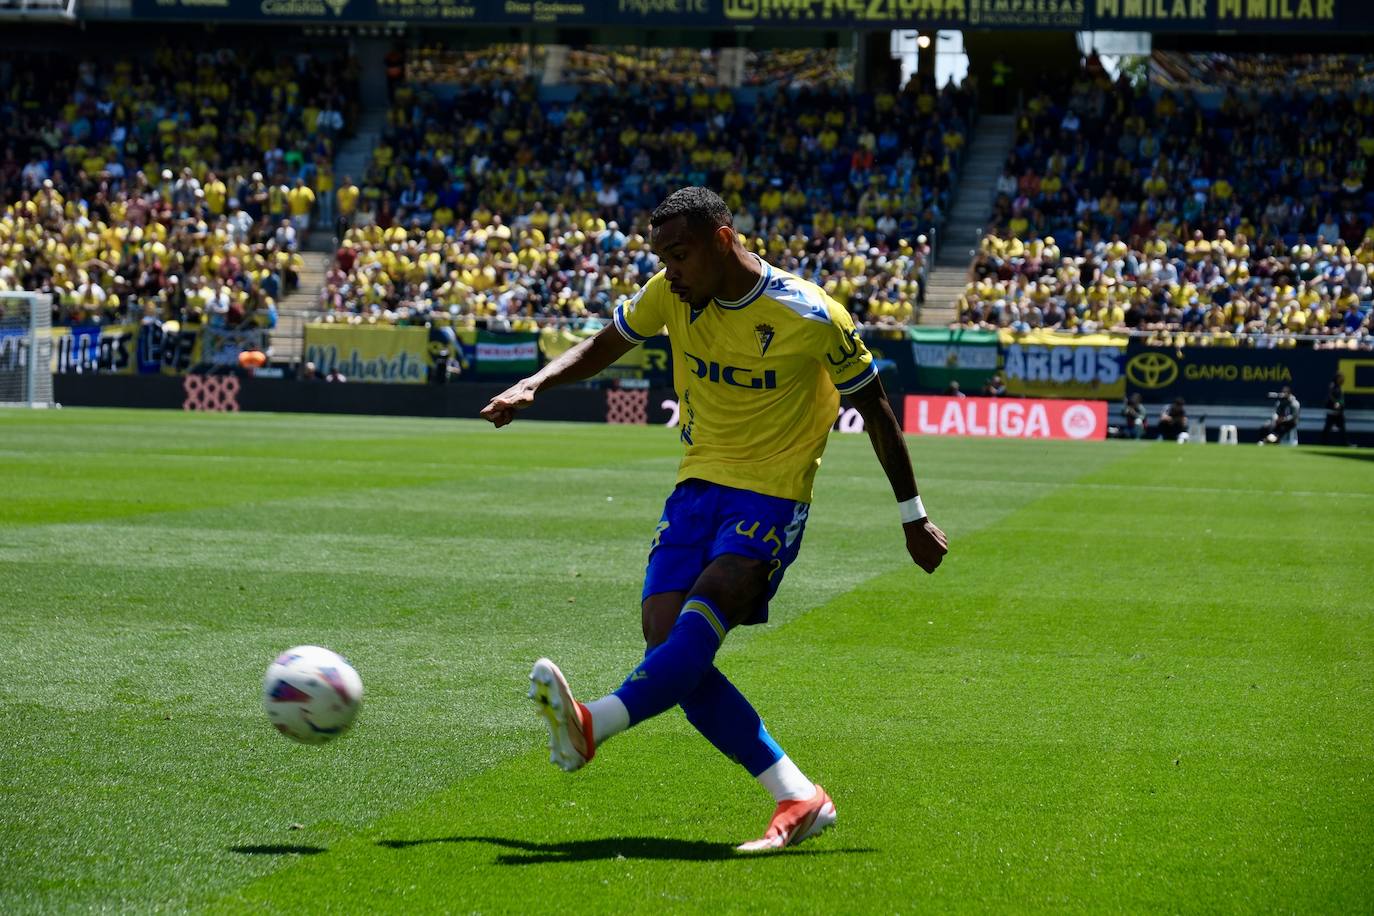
(702, 521)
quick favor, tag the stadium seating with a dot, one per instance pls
(174, 185)
(623, 66)
(534, 272)
(1130, 208)
(492, 185)
(1260, 72)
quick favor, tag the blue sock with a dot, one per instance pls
(720, 712)
(673, 669)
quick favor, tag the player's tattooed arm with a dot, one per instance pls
(925, 542)
(581, 362)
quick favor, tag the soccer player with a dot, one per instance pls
(760, 359)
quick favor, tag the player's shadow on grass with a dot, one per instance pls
(633, 847)
(277, 849)
(1362, 454)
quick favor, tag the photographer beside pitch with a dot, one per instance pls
(760, 359)
(1284, 419)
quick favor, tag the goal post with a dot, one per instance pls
(25, 349)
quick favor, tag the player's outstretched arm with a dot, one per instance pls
(926, 543)
(581, 362)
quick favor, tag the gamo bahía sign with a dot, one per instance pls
(1005, 418)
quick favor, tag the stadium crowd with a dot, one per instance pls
(1265, 72)
(1130, 209)
(608, 65)
(546, 266)
(175, 186)
(492, 182)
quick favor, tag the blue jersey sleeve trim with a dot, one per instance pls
(624, 328)
(863, 378)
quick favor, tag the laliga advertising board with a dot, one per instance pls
(1005, 418)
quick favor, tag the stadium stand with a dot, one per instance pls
(625, 65)
(499, 212)
(181, 185)
(534, 271)
(1261, 72)
(175, 185)
(1123, 207)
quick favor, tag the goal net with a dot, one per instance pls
(25, 350)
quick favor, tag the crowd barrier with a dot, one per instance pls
(150, 348)
(235, 392)
(1018, 418)
(240, 392)
(911, 361)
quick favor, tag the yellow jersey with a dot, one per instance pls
(758, 380)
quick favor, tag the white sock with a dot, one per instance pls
(785, 781)
(609, 717)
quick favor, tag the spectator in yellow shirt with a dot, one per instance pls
(216, 194)
(300, 200)
(346, 197)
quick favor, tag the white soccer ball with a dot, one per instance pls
(311, 694)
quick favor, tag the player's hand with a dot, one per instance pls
(502, 408)
(926, 544)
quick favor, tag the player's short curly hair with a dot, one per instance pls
(704, 209)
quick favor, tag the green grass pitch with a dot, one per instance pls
(1140, 682)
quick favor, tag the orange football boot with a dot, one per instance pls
(795, 820)
(571, 742)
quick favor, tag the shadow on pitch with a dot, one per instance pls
(278, 849)
(634, 847)
(1354, 454)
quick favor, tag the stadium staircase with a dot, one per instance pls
(353, 156)
(964, 228)
(555, 60)
(288, 339)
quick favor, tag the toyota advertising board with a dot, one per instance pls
(1005, 418)
(1243, 376)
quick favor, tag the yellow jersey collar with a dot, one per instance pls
(765, 274)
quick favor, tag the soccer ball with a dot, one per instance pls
(311, 694)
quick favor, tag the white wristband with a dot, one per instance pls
(911, 510)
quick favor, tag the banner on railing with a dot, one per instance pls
(166, 348)
(94, 348)
(1047, 364)
(514, 354)
(651, 361)
(944, 355)
(1005, 418)
(370, 353)
(220, 347)
(149, 348)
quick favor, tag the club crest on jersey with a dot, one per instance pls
(764, 333)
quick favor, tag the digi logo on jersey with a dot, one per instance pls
(739, 376)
